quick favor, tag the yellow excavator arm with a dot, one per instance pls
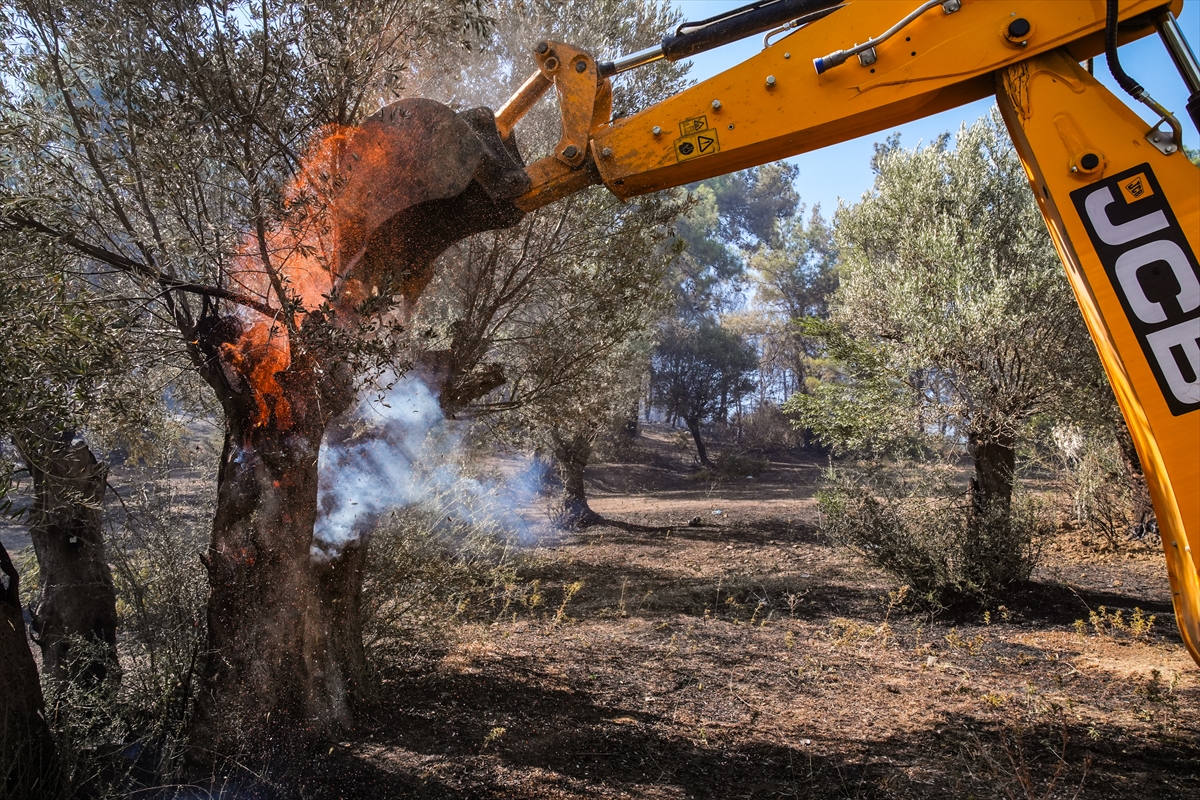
(1117, 195)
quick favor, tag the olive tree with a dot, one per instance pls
(60, 358)
(952, 312)
(953, 325)
(543, 328)
(162, 144)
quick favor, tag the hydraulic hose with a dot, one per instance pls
(1122, 78)
(1135, 90)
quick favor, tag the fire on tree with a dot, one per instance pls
(369, 211)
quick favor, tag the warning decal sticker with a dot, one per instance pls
(696, 139)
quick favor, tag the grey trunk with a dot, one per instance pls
(75, 621)
(571, 455)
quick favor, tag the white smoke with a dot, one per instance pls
(396, 449)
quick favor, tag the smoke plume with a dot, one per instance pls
(395, 449)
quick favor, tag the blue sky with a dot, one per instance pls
(844, 171)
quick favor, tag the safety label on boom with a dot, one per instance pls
(1154, 273)
(696, 139)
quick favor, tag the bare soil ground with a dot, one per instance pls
(745, 657)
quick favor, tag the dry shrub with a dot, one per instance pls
(162, 591)
(767, 428)
(128, 732)
(432, 563)
(731, 466)
(930, 538)
(1104, 500)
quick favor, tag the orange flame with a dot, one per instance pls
(298, 257)
(348, 186)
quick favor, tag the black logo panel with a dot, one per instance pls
(1155, 274)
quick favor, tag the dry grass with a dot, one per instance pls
(747, 658)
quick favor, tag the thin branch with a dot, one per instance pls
(127, 265)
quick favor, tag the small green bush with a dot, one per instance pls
(934, 542)
(739, 466)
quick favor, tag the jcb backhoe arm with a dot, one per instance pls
(1121, 200)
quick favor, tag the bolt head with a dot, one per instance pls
(570, 151)
(716, 104)
(787, 55)
(657, 131)
(1019, 28)
(770, 80)
(580, 65)
(606, 152)
(542, 47)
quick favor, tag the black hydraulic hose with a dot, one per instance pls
(691, 38)
(1135, 90)
(1122, 78)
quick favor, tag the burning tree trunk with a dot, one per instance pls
(269, 678)
(373, 207)
(75, 621)
(28, 766)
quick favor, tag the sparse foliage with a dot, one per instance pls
(954, 326)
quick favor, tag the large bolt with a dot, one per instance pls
(770, 80)
(570, 151)
(580, 65)
(542, 48)
(1019, 28)
(1089, 161)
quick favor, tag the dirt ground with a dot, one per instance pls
(744, 657)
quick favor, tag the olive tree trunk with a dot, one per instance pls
(276, 678)
(997, 545)
(693, 425)
(28, 767)
(995, 469)
(571, 455)
(75, 620)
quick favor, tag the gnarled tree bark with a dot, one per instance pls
(571, 455)
(28, 766)
(273, 681)
(75, 620)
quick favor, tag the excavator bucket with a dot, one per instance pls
(415, 178)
